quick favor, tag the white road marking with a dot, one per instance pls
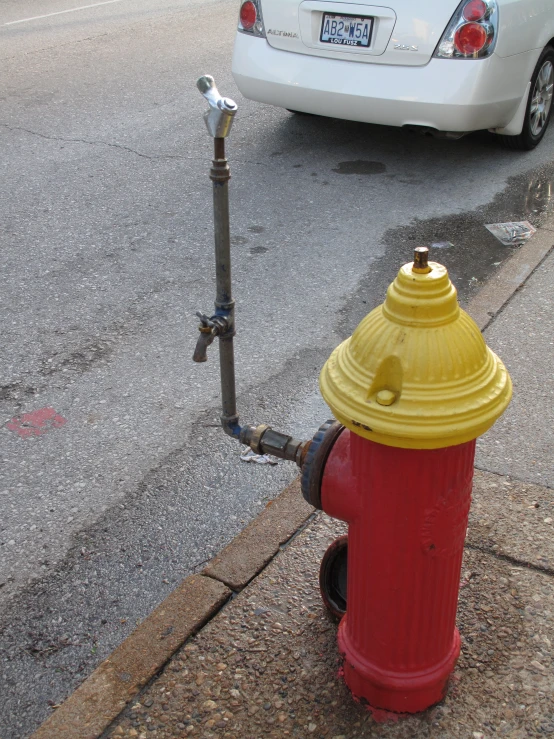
(60, 12)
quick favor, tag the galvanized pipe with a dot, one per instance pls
(220, 175)
(262, 438)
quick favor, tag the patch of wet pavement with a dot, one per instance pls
(360, 167)
(468, 250)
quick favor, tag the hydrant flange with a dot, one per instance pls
(314, 463)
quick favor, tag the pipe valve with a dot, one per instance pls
(219, 116)
(209, 328)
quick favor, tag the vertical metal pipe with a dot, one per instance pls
(220, 175)
(224, 303)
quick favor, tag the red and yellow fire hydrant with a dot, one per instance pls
(411, 390)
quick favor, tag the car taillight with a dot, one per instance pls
(475, 10)
(250, 18)
(470, 38)
(472, 31)
(248, 15)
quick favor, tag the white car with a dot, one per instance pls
(437, 65)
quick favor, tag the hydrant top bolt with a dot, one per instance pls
(385, 397)
(421, 260)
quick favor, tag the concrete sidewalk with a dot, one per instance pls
(266, 665)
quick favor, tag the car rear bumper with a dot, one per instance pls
(445, 94)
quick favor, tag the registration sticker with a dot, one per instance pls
(346, 30)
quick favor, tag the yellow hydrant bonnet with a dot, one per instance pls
(416, 373)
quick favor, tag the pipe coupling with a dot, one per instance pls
(262, 439)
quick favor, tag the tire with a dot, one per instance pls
(332, 577)
(539, 106)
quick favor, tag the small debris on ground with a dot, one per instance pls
(512, 233)
(250, 456)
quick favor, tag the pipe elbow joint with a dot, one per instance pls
(231, 426)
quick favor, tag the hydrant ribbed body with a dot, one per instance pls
(413, 388)
(407, 512)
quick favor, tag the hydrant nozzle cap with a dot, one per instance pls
(416, 373)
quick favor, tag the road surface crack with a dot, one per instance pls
(93, 143)
(237, 160)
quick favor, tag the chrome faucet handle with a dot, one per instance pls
(219, 116)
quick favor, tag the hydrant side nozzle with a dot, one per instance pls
(315, 458)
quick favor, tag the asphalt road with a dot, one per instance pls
(106, 240)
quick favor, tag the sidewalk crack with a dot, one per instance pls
(511, 560)
(513, 478)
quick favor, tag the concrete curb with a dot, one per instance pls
(103, 695)
(253, 549)
(90, 710)
(97, 702)
(494, 295)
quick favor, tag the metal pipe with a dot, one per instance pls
(262, 438)
(220, 175)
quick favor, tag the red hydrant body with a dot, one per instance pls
(407, 512)
(411, 390)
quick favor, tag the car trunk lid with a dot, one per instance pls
(401, 33)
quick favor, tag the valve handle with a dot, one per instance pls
(206, 323)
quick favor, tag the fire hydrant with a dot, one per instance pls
(412, 389)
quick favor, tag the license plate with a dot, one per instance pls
(346, 30)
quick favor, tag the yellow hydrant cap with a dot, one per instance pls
(416, 373)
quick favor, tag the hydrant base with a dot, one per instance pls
(392, 691)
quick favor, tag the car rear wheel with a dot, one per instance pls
(539, 105)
